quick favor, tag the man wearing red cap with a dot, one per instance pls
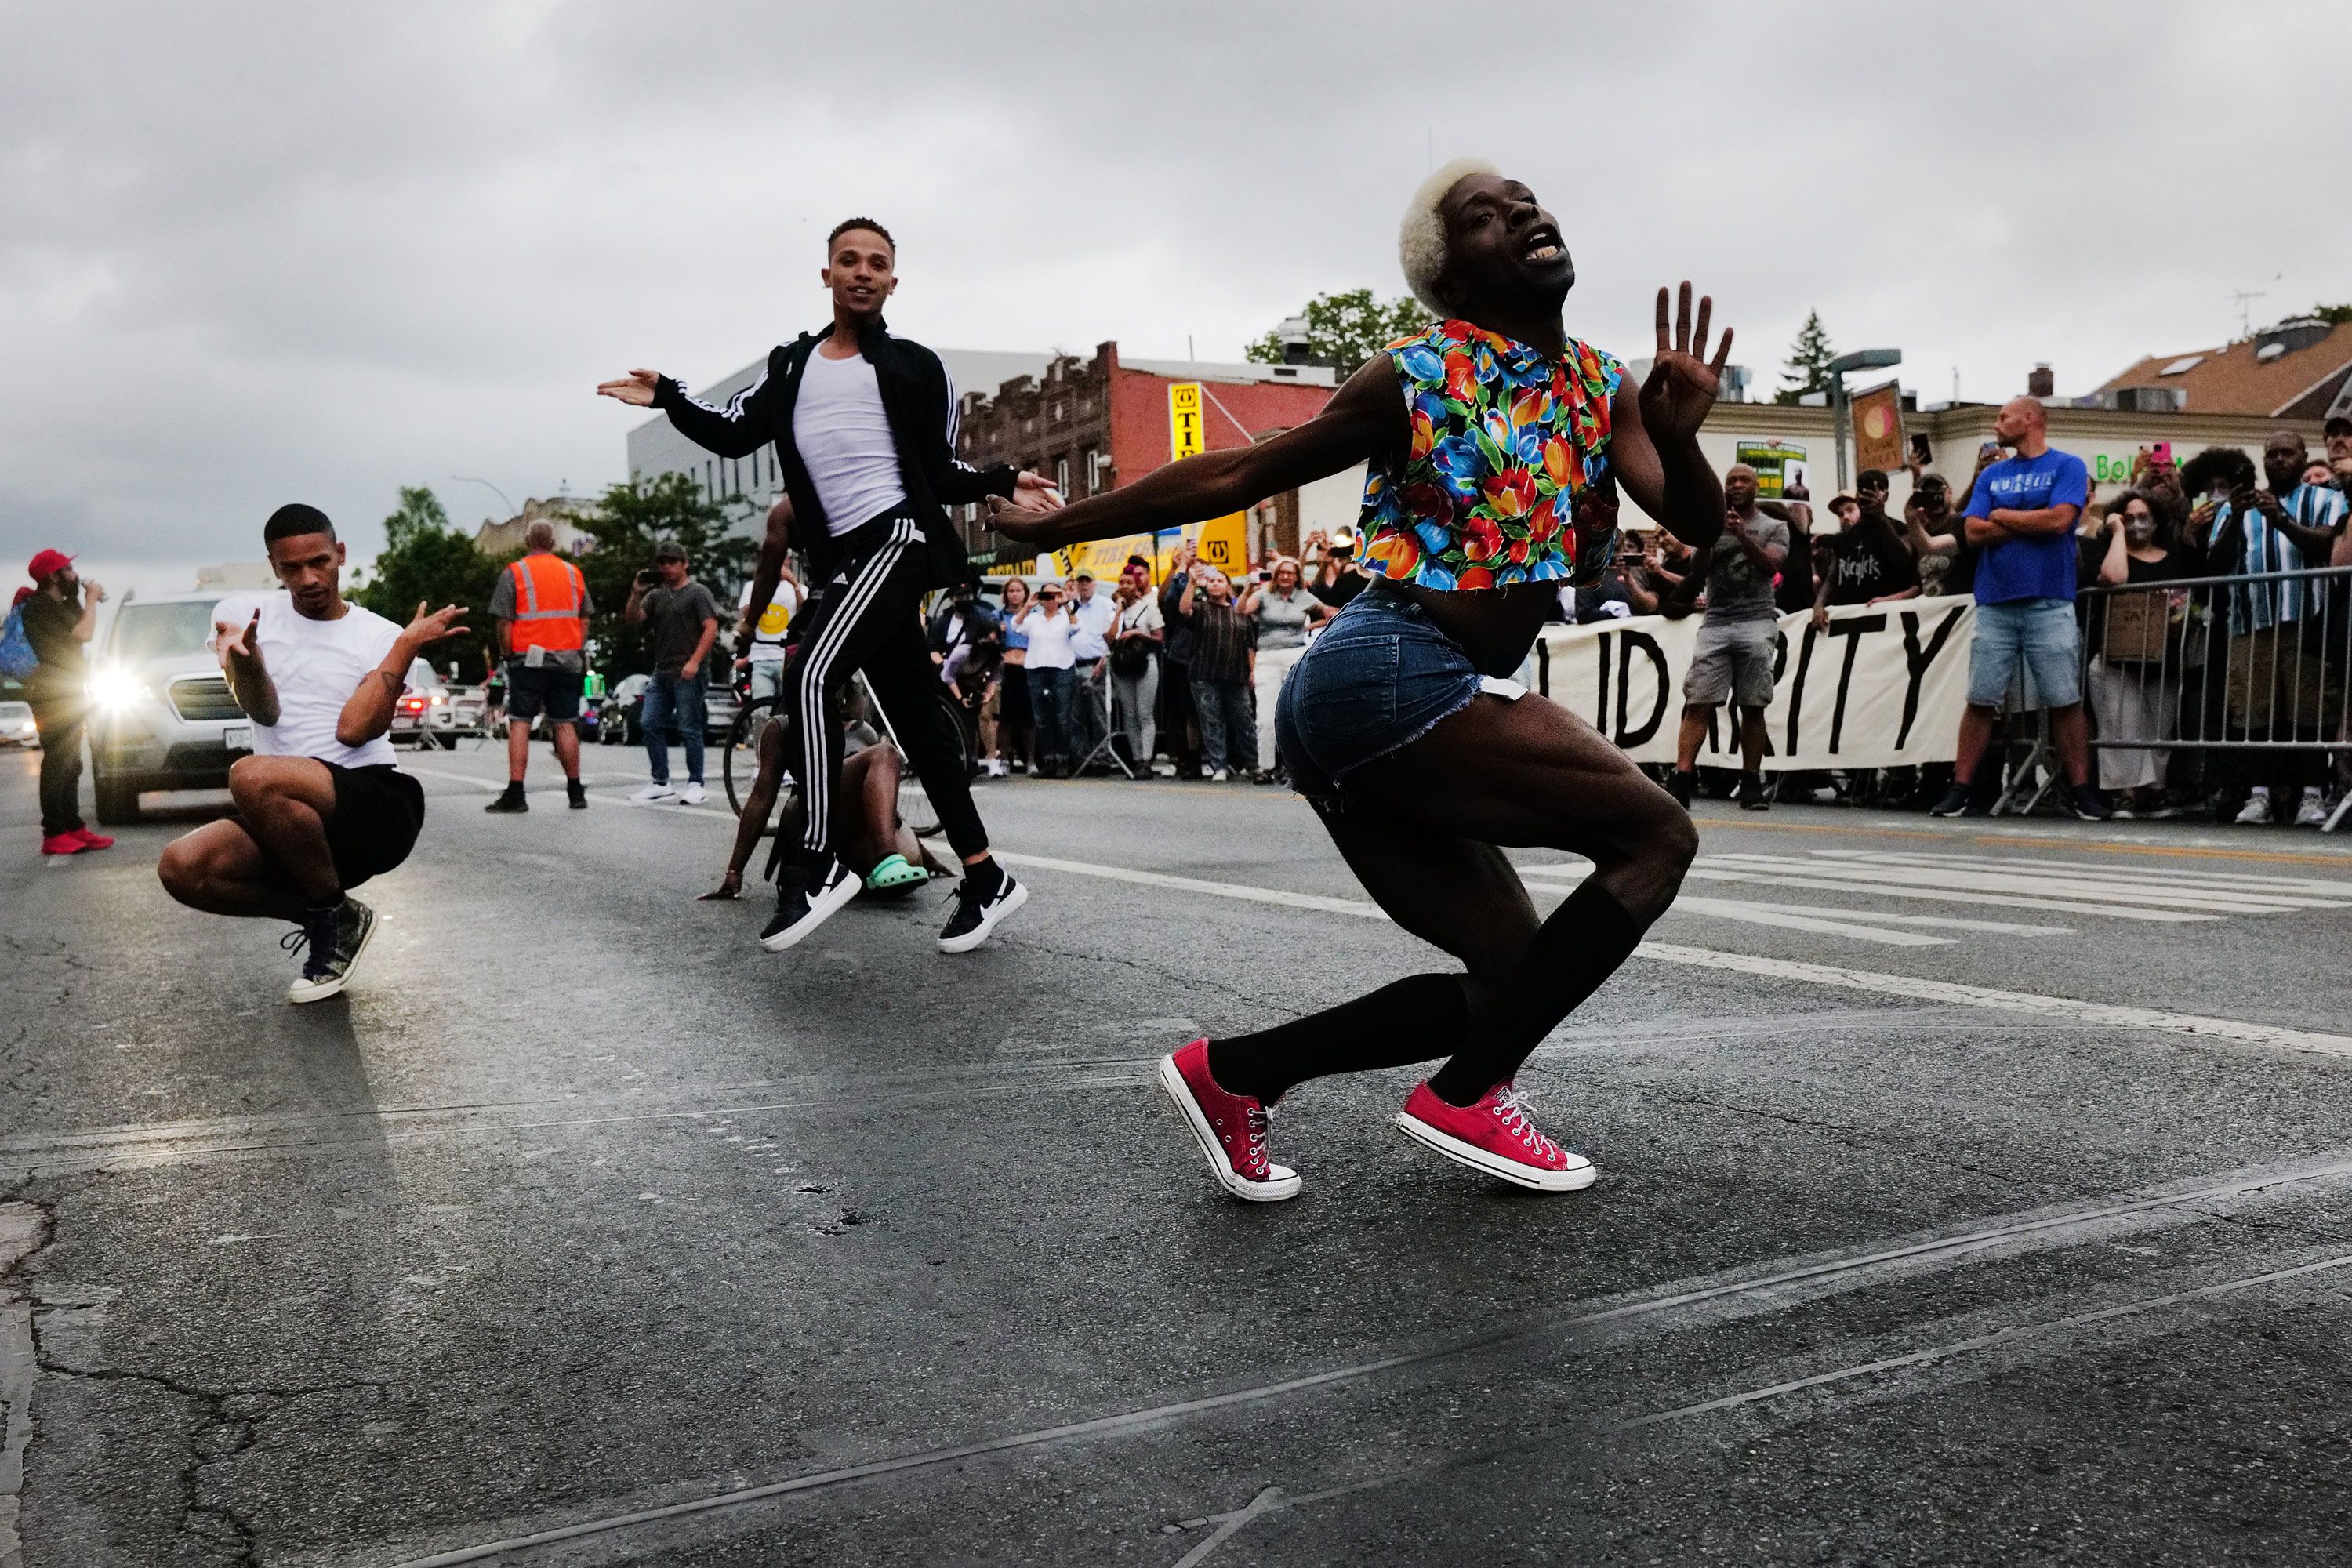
(60, 617)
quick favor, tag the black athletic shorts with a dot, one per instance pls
(556, 690)
(378, 811)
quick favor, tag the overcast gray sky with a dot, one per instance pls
(252, 253)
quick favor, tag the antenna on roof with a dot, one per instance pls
(2245, 297)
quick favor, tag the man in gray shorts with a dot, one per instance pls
(1736, 639)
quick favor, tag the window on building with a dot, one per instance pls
(1057, 412)
(710, 479)
(1061, 475)
(1094, 470)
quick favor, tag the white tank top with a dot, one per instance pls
(845, 442)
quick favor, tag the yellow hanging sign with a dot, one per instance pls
(1187, 431)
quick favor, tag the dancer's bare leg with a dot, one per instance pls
(287, 803)
(756, 807)
(218, 868)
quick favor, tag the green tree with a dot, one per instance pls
(425, 559)
(1343, 331)
(1809, 362)
(628, 519)
(2334, 315)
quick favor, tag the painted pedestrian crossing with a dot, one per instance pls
(2084, 890)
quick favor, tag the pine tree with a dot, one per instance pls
(1809, 362)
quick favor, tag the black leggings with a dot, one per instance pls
(868, 619)
(59, 720)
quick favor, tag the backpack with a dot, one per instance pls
(17, 661)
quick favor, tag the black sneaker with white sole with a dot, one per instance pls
(331, 952)
(977, 912)
(808, 893)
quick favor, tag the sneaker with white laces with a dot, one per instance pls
(1229, 1127)
(808, 892)
(654, 792)
(692, 793)
(2313, 812)
(977, 913)
(2256, 812)
(331, 952)
(1495, 1136)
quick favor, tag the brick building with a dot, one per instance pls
(1090, 425)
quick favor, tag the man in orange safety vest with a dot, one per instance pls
(541, 608)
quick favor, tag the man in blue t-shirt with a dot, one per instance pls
(2021, 513)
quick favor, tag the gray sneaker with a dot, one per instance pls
(325, 973)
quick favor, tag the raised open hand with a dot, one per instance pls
(635, 389)
(1683, 381)
(424, 627)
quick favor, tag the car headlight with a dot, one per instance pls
(118, 689)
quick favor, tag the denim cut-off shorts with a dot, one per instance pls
(2037, 637)
(1379, 677)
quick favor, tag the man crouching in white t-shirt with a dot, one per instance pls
(319, 806)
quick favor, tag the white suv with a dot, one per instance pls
(161, 716)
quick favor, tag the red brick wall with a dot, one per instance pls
(1139, 415)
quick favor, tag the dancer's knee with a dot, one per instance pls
(182, 871)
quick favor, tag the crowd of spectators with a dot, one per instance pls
(2106, 613)
(1175, 672)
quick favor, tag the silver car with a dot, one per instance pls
(17, 726)
(161, 716)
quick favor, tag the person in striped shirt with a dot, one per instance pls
(2281, 685)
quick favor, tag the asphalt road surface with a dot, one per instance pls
(1970, 1191)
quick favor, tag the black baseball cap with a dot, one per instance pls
(669, 550)
(2337, 425)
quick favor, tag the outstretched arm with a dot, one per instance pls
(1364, 421)
(1654, 431)
(745, 423)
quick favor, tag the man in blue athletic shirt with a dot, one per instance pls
(2021, 513)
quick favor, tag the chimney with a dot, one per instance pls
(1292, 333)
(2042, 383)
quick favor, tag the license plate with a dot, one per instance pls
(238, 737)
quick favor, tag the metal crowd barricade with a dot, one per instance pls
(2162, 670)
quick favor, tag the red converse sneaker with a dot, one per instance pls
(1230, 1129)
(93, 840)
(1496, 1137)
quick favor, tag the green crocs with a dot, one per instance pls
(894, 873)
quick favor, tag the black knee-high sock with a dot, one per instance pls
(1583, 944)
(1411, 1020)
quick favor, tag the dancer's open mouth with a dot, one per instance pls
(1544, 245)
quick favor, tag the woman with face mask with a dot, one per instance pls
(2135, 670)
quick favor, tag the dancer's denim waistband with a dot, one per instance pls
(1379, 678)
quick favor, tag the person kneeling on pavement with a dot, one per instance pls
(320, 807)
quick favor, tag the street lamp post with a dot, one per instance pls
(1842, 411)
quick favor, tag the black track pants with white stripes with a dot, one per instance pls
(868, 618)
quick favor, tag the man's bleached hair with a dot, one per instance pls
(1420, 237)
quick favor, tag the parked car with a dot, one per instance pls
(424, 715)
(468, 707)
(17, 726)
(160, 715)
(616, 718)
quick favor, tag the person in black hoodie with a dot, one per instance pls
(864, 425)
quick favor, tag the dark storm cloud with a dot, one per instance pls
(254, 252)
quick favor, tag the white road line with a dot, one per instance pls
(1705, 872)
(1781, 1282)
(494, 788)
(2143, 895)
(1793, 917)
(1545, 875)
(2094, 1014)
(2249, 881)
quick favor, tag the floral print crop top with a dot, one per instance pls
(1504, 442)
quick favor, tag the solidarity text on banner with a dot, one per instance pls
(1883, 685)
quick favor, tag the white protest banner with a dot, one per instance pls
(1883, 685)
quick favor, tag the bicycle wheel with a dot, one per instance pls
(914, 807)
(739, 759)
